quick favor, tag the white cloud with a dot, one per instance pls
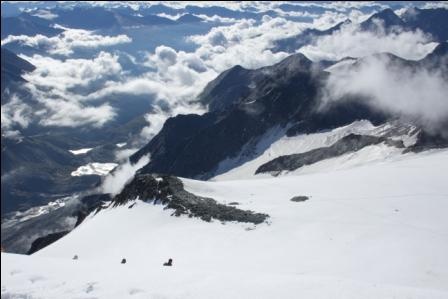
(68, 41)
(419, 95)
(216, 18)
(350, 41)
(64, 113)
(60, 76)
(245, 42)
(171, 17)
(435, 4)
(45, 14)
(15, 114)
(57, 87)
(115, 182)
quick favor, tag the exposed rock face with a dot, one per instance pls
(350, 143)
(42, 242)
(19, 235)
(432, 21)
(299, 198)
(89, 204)
(13, 67)
(426, 141)
(387, 18)
(280, 95)
(169, 191)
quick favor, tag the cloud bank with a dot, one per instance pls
(58, 87)
(350, 41)
(115, 182)
(416, 94)
(68, 41)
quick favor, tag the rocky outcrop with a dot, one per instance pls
(280, 95)
(19, 231)
(42, 242)
(89, 204)
(426, 141)
(350, 143)
(299, 198)
(169, 191)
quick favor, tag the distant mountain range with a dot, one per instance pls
(90, 18)
(245, 104)
(36, 166)
(13, 68)
(431, 21)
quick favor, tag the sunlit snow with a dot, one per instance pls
(94, 169)
(81, 151)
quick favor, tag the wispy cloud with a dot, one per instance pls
(418, 95)
(351, 41)
(68, 41)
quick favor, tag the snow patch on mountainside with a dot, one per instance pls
(340, 66)
(94, 168)
(81, 151)
(22, 216)
(373, 231)
(276, 144)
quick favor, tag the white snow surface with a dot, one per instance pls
(275, 144)
(341, 66)
(377, 230)
(94, 168)
(81, 151)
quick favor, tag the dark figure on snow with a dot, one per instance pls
(169, 263)
(123, 261)
(75, 257)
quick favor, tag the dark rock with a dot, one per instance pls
(13, 67)
(169, 263)
(233, 203)
(427, 141)
(27, 25)
(189, 18)
(389, 20)
(18, 235)
(89, 204)
(349, 143)
(193, 146)
(42, 242)
(299, 198)
(169, 191)
(433, 21)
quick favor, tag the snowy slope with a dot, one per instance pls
(94, 169)
(372, 231)
(276, 144)
(81, 151)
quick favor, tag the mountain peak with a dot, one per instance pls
(388, 17)
(189, 18)
(294, 61)
(441, 49)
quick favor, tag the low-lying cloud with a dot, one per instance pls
(68, 41)
(15, 115)
(58, 86)
(115, 181)
(350, 41)
(416, 94)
